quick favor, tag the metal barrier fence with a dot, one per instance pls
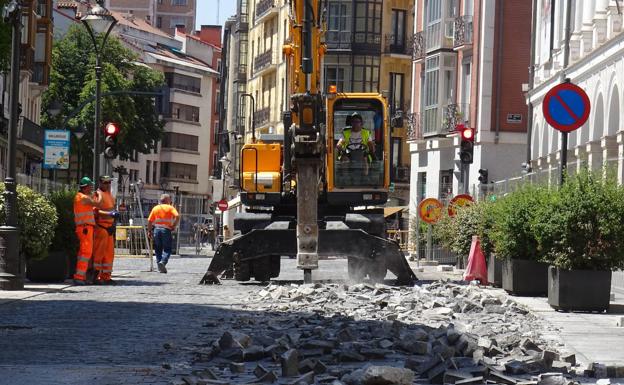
(437, 253)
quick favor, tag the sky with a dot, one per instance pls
(207, 11)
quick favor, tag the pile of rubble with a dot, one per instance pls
(442, 333)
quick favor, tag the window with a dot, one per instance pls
(178, 170)
(155, 173)
(177, 21)
(180, 141)
(215, 133)
(183, 82)
(158, 22)
(338, 17)
(178, 2)
(185, 112)
(396, 156)
(365, 73)
(446, 185)
(219, 65)
(217, 102)
(148, 170)
(368, 22)
(422, 186)
(335, 76)
(396, 92)
(432, 70)
(398, 28)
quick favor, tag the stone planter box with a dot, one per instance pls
(53, 268)
(495, 271)
(525, 277)
(580, 290)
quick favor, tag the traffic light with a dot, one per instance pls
(483, 175)
(466, 145)
(110, 142)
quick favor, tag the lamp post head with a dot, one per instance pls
(55, 108)
(99, 19)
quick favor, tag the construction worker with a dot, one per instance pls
(104, 249)
(85, 222)
(164, 218)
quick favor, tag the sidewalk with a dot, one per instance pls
(592, 337)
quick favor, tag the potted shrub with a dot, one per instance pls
(36, 218)
(61, 260)
(515, 243)
(581, 234)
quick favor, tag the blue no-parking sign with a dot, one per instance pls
(566, 107)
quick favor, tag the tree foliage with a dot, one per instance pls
(5, 41)
(72, 82)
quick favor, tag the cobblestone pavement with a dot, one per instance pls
(120, 334)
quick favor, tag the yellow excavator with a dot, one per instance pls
(316, 190)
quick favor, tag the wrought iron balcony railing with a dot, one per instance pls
(463, 31)
(263, 60)
(414, 125)
(398, 45)
(419, 49)
(263, 7)
(263, 116)
(454, 114)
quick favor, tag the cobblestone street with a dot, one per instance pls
(150, 327)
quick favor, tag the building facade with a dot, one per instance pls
(470, 64)
(163, 14)
(36, 54)
(596, 64)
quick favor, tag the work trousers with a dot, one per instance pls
(85, 252)
(162, 244)
(103, 253)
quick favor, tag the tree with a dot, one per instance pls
(72, 82)
(5, 40)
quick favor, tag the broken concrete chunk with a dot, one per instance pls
(254, 353)
(290, 363)
(305, 379)
(260, 371)
(236, 367)
(386, 375)
(470, 381)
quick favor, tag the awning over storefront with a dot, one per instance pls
(393, 210)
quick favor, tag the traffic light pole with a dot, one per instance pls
(466, 174)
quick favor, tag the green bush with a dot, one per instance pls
(36, 218)
(511, 216)
(65, 238)
(582, 226)
(455, 233)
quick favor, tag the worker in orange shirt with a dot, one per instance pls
(104, 249)
(85, 222)
(163, 219)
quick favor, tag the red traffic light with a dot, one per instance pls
(111, 129)
(467, 133)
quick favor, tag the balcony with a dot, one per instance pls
(439, 35)
(264, 9)
(418, 47)
(397, 45)
(30, 132)
(263, 62)
(262, 116)
(242, 73)
(462, 36)
(40, 73)
(242, 24)
(454, 114)
(414, 126)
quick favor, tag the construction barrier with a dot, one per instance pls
(130, 242)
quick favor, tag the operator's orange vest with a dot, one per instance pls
(163, 216)
(107, 204)
(83, 213)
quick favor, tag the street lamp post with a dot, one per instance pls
(98, 21)
(79, 133)
(11, 264)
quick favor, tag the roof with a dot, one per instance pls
(176, 57)
(138, 23)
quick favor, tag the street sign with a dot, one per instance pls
(430, 210)
(222, 205)
(56, 149)
(460, 200)
(566, 107)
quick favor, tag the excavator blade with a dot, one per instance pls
(367, 254)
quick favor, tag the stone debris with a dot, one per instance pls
(365, 334)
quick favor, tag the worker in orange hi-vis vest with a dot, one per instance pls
(104, 249)
(164, 218)
(85, 222)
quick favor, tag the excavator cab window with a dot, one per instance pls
(358, 139)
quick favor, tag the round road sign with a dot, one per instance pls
(430, 210)
(222, 205)
(460, 200)
(566, 107)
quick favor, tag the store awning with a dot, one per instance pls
(393, 210)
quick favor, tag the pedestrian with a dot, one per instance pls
(164, 218)
(104, 249)
(85, 222)
(211, 237)
(227, 234)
